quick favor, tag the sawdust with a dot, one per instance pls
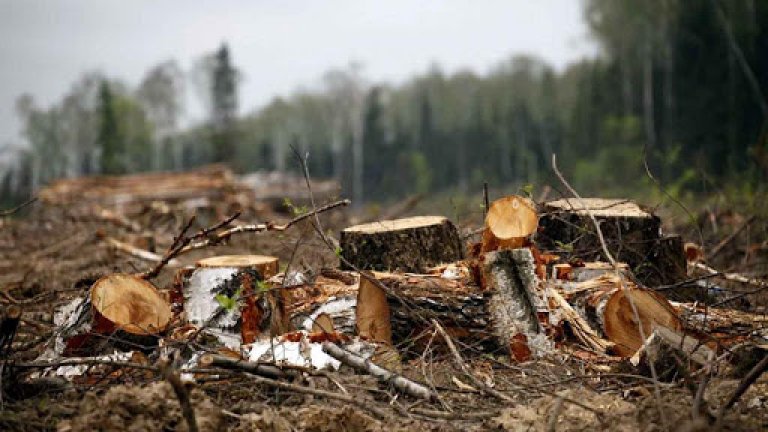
(141, 408)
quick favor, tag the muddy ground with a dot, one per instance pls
(49, 255)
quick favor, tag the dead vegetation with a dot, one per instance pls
(200, 308)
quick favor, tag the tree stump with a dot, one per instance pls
(509, 222)
(227, 295)
(632, 235)
(130, 304)
(409, 245)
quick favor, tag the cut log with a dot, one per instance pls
(488, 319)
(372, 314)
(510, 220)
(409, 245)
(632, 235)
(608, 307)
(235, 279)
(510, 276)
(130, 304)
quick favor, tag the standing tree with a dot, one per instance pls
(110, 140)
(223, 106)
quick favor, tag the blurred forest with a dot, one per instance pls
(680, 84)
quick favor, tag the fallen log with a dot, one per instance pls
(610, 305)
(510, 276)
(410, 245)
(500, 317)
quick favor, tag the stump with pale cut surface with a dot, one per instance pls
(409, 245)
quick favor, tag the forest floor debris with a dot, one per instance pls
(532, 339)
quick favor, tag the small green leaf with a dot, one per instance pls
(226, 302)
(262, 286)
(527, 190)
(338, 251)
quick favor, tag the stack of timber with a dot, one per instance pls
(213, 182)
(632, 235)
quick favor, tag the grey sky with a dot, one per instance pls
(279, 45)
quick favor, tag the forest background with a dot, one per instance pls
(677, 91)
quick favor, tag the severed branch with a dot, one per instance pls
(219, 361)
(268, 226)
(137, 252)
(400, 382)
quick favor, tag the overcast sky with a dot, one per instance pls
(279, 45)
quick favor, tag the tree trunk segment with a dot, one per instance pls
(632, 235)
(128, 303)
(607, 307)
(490, 319)
(408, 245)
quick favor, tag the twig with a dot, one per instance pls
(353, 400)
(171, 252)
(445, 415)
(137, 252)
(745, 383)
(213, 360)
(18, 207)
(733, 277)
(399, 382)
(224, 235)
(486, 203)
(460, 363)
(182, 394)
(719, 248)
(8, 328)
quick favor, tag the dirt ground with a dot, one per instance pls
(50, 255)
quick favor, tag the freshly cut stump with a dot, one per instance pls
(509, 222)
(267, 266)
(409, 245)
(128, 303)
(607, 307)
(234, 277)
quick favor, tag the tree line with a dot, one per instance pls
(678, 86)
